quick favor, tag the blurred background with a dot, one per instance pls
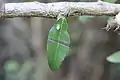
(23, 48)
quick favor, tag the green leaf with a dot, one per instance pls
(11, 66)
(114, 58)
(110, 1)
(57, 43)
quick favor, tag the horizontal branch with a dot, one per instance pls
(51, 10)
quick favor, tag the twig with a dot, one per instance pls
(52, 10)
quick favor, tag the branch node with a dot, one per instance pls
(113, 23)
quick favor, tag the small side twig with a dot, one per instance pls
(113, 23)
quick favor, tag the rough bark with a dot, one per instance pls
(52, 10)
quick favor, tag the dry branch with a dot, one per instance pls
(51, 10)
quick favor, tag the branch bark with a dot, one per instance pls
(52, 10)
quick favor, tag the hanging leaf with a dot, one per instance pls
(114, 58)
(58, 43)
